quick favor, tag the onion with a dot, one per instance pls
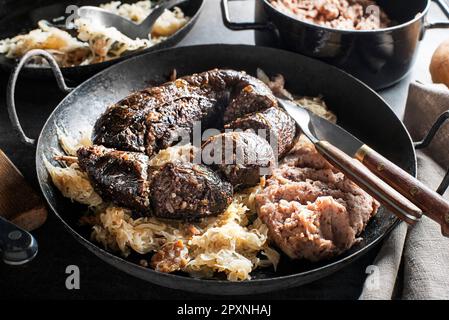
(439, 66)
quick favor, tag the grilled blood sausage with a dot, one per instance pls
(154, 119)
(277, 126)
(185, 190)
(117, 176)
(178, 190)
(151, 119)
(239, 156)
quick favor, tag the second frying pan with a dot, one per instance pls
(24, 17)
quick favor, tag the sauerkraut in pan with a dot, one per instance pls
(304, 207)
(94, 43)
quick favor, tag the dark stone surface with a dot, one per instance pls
(45, 276)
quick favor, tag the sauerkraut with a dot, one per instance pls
(318, 106)
(70, 144)
(315, 104)
(94, 43)
(176, 153)
(73, 184)
(228, 246)
(135, 12)
(167, 24)
(106, 43)
(66, 49)
(118, 231)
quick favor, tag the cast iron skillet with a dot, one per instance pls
(359, 109)
(380, 58)
(26, 18)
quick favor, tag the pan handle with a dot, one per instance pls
(428, 139)
(10, 91)
(241, 25)
(440, 24)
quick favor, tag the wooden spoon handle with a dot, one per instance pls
(372, 184)
(431, 203)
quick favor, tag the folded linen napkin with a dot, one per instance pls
(414, 261)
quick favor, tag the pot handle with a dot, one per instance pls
(440, 24)
(437, 25)
(10, 91)
(444, 6)
(241, 25)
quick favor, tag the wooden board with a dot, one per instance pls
(19, 203)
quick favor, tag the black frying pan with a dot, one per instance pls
(25, 18)
(359, 109)
(379, 58)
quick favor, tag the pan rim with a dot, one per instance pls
(226, 283)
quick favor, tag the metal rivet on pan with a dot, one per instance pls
(380, 167)
(15, 235)
(414, 191)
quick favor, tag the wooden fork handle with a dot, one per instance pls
(431, 203)
(369, 182)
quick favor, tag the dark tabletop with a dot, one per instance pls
(45, 276)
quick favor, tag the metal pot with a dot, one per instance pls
(380, 58)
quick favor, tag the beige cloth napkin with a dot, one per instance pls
(413, 263)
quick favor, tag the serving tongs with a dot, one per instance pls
(398, 191)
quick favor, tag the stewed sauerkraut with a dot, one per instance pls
(315, 104)
(94, 43)
(73, 184)
(118, 231)
(184, 153)
(167, 24)
(135, 12)
(229, 245)
(106, 43)
(66, 49)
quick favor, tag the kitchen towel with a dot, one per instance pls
(413, 262)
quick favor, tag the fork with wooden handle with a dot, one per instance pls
(403, 194)
(430, 202)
